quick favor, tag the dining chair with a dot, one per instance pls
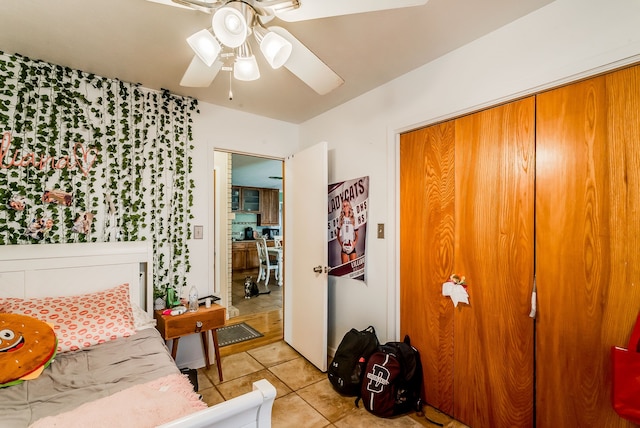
(277, 241)
(266, 266)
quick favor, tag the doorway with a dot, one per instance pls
(304, 326)
(254, 211)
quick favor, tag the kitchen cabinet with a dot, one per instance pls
(251, 198)
(467, 192)
(235, 199)
(270, 209)
(244, 255)
(265, 202)
(253, 261)
(238, 257)
(245, 199)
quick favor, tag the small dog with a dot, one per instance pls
(251, 288)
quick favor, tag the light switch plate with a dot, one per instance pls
(380, 230)
(197, 232)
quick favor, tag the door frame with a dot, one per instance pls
(218, 247)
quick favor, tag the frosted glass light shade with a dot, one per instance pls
(230, 26)
(205, 46)
(275, 48)
(246, 68)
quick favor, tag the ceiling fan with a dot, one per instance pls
(226, 45)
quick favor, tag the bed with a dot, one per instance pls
(110, 365)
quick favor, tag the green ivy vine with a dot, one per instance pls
(138, 187)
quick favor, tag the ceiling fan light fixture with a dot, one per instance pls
(205, 45)
(246, 67)
(231, 23)
(281, 5)
(275, 48)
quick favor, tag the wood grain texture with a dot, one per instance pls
(587, 254)
(268, 323)
(493, 353)
(426, 218)
(588, 245)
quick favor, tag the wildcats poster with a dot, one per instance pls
(348, 206)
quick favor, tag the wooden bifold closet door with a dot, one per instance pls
(587, 244)
(466, 191)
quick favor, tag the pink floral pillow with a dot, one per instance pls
(83, 320)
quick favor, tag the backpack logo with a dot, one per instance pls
(378, 378)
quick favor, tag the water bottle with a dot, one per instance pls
(193, 299)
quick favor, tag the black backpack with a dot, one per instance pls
(346, 369)
(392, 380)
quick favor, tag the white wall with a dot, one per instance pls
(221, 128)
(562, 41)
(558, 43)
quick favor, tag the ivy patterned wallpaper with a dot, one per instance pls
(84, 158)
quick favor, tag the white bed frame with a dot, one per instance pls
(50, 270)
(250, 410)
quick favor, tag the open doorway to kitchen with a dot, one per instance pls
(253, 210)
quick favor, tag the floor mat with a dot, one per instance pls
(236, 333)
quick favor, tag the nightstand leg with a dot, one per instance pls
(214, 334)
(205, 347)
(174, 348)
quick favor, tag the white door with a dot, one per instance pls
(305, 252)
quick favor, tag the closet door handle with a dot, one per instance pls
(534, 298)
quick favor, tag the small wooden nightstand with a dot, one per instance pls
(201, 321)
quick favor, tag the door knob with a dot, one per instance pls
(318, 269)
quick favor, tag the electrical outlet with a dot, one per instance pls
(380, 230)
(197, 232)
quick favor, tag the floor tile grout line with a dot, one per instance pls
(264, 367)
(314, 407)
(346, 416)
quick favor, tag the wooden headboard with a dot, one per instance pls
(49, 270)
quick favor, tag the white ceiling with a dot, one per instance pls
(143, 42)
(253, 171)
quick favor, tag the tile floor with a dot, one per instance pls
(305, 398)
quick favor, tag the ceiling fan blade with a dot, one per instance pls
(169, 3)
(206, 6)
(308, 67)
(314, 9)
(198, 75)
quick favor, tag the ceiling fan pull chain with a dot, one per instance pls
(230, 91)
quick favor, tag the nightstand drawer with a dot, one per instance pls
(171, 327)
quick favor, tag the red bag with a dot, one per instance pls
(625, 395)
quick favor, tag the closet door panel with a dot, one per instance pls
(623, 115)
(426, 256)
(493, 350)
(587, 223)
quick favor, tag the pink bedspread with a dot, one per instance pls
(146, 405)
